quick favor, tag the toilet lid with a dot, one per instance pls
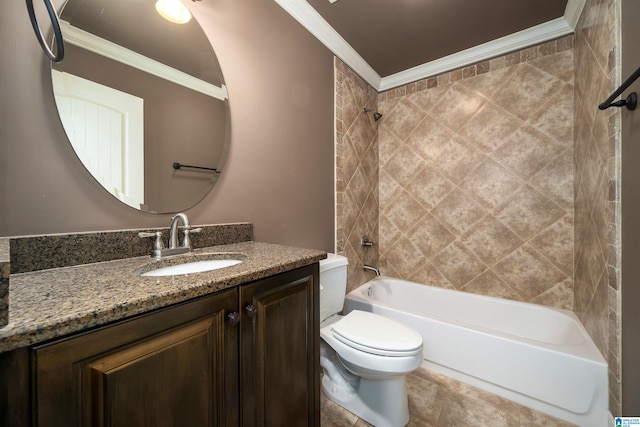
(376, 334)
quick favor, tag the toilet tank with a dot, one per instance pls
(333, 285)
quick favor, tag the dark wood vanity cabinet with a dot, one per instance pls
(191, 364)
(279, 351)
(173, 367)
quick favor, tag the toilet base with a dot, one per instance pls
(382, 403)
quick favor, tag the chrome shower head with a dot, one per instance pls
(376, 115)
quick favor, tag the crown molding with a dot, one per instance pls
(520, 40)
(573, 11)
(310, 19)
(95, 44)
(306, 15)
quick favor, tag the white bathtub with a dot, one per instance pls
(537, 356)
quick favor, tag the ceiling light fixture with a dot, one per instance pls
(173, 11)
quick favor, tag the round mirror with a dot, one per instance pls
(143, 102)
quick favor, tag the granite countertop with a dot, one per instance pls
(4, 249)
(51, 303)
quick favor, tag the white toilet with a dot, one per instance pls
(364, 356)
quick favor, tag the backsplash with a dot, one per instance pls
(4, 281)
(31, 253)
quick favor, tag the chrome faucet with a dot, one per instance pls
(159, 251)
(173, 231)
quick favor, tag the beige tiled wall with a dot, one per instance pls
(476, 182)
(597, 174)
(500, 178)
(356, 172)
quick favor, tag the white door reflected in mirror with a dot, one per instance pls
(106, 128)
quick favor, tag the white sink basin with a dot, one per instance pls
(192, 267)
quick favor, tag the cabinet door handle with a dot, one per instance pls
(251, 310)
(234, 318)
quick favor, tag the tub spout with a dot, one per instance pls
(369, 268)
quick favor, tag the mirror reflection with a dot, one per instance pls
(136, 94)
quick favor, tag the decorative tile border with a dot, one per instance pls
(525, 55)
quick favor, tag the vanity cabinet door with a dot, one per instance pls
(174, 367)
(279, 350)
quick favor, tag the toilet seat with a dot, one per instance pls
(375, 334)
(368, 365)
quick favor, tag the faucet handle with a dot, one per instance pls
(158, 244)
(186, 242)
(366, 243)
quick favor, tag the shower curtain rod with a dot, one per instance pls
(631, 100)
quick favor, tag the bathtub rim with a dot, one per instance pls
(585, 349)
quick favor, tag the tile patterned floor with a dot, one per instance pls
(439, 401)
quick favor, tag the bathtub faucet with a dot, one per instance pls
(369, 268)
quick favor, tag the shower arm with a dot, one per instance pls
(376, 115)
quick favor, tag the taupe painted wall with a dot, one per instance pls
(630, 215)
(279, 173)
